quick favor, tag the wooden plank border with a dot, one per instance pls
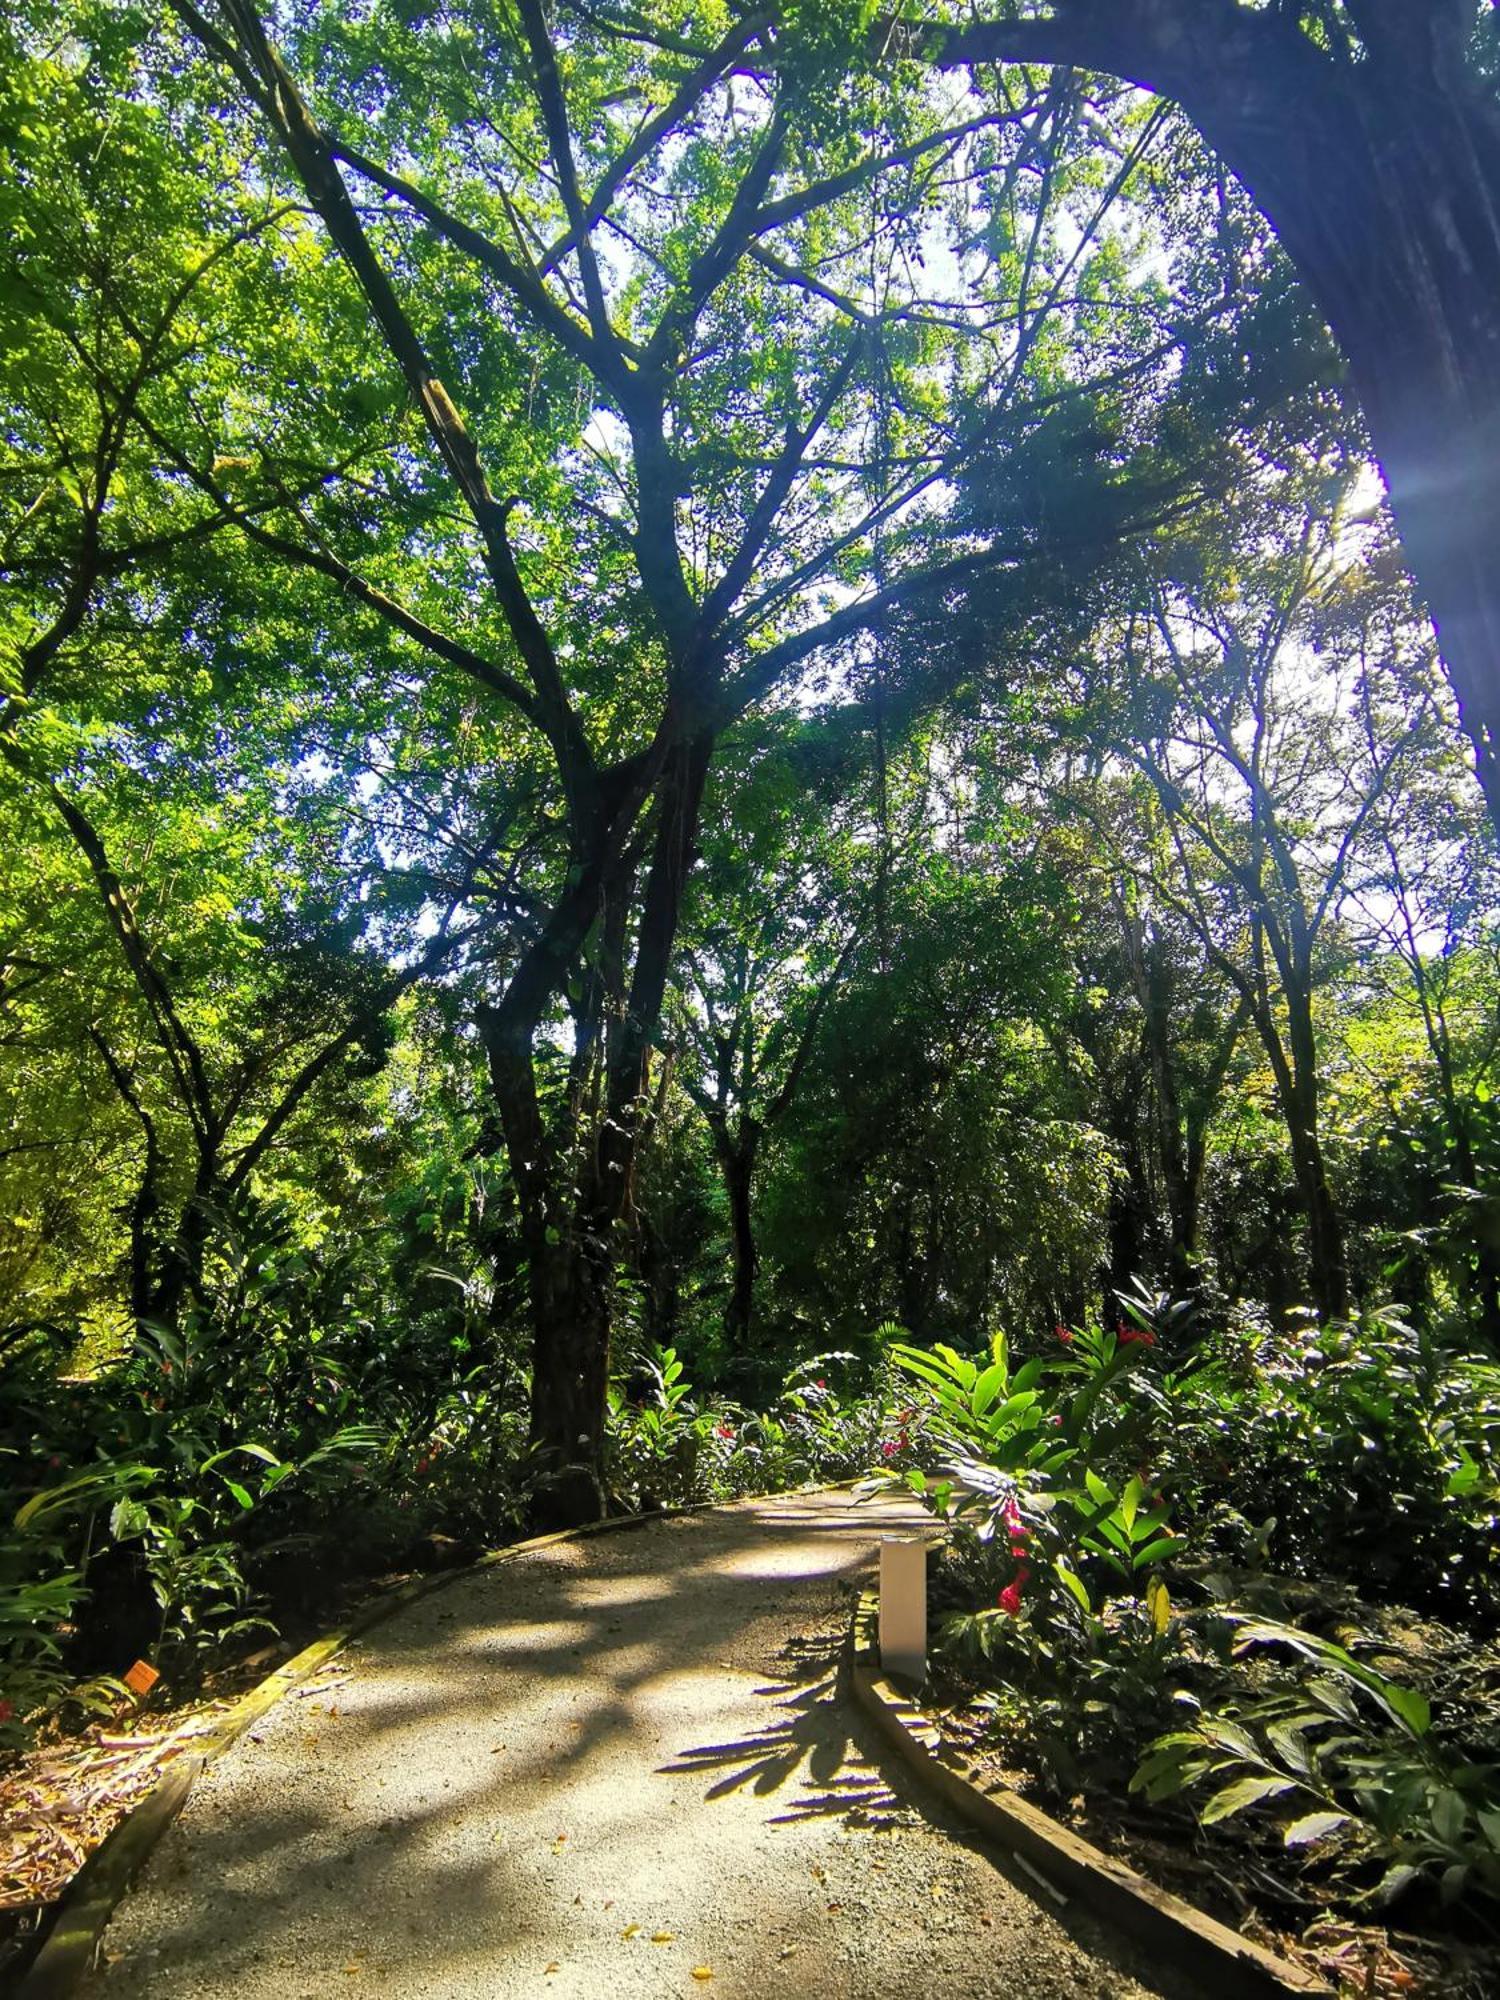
(1227, 1964)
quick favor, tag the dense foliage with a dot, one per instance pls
(1143, 1520)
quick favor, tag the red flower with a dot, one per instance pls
(1009, 1599)
(1136, 1336)
(820, 1383)
(1015, 1527)
(724, 1430)
(1064, 1334)
(889, 1448)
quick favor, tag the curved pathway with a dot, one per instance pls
(620, 1767)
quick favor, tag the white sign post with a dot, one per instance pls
(903, 1606)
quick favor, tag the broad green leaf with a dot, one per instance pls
(1243, 1792)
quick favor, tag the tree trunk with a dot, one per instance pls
(1325, 1234)
(571, 1287)
(1154, 988)
(574, 1184)
(180, 1270)
(737, 1159)
(1297, 1087)
(1130, 1211)
(1422, 333)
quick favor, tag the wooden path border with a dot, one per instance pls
(1229, 1965)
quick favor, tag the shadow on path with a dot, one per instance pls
(585, 1773)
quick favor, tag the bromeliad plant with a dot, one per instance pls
(657, 1433)
(668, 1446)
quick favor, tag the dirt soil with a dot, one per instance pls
(615, 1767)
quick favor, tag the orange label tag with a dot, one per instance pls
(140, 1678)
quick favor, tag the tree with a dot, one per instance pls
(1423, 913)
(200, 877)
(1162, 1029)
(627, 284)
(766, 946)
(1272, 710)
(1367, 132)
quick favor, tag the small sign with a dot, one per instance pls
(140, 1678)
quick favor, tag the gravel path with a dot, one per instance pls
(615, 1767)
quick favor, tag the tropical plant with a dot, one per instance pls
(1353, 1754)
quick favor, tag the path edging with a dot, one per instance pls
(85, 1907)
(1197, 1944)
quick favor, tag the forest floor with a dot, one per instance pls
(614, 1767)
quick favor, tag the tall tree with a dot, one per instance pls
(774, 927)
(673, 297)
(1368, 133)
(1269, 772)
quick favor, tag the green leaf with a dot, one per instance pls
(987, 1388)
(1243, 1792)
(1313, 1826)
(1075, 1586)
(1157, 1551)
(127, 1519)
(1395, 1882)
(1450, 1816)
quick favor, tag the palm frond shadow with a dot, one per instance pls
(805, 1741)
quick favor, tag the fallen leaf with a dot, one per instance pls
(662, 1937)
(553, 1967)
(629, 1930)
(703, 1972)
